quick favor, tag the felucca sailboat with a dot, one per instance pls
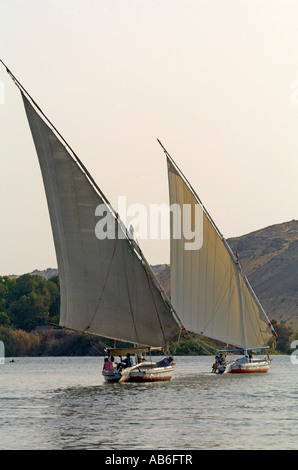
(209, 289)
(107, 287)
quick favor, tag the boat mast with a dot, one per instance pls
(61, 138)
(233, 256)
(149, 271)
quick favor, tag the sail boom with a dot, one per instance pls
(200, 202)
(242, 349)
(135, 350)
(234, 258)
(67, 146)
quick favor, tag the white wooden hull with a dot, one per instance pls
(111, 376)
(145, 372)
(255, 366)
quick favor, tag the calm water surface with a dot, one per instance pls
(63, 403)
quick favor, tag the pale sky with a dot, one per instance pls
(212, 79)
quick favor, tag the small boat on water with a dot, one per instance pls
(141, 370)
(246, 364)
(208, 286)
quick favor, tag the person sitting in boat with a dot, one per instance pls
(165, 362)
(243, 360)
(215, 364)
(221, 359)
(108, 364)
(127, 362)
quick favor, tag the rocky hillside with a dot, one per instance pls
(47, 273)
(269, 258)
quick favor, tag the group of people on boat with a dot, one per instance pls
(220, 360)
(128, 362)
(108, 364)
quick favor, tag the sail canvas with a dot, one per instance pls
(208, 287)
(106, 287)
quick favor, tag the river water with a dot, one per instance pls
(63, 403)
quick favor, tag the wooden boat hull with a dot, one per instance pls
(111, 376)
(248, 368)
(140, 373)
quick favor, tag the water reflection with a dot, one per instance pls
(103, 416)
(64, 404)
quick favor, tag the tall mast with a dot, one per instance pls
(232, 255)
(107, 287)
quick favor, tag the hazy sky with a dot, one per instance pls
(214, 80)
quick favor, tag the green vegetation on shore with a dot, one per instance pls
(28, 304)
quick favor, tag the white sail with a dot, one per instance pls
(208, 288)
(106, 287)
